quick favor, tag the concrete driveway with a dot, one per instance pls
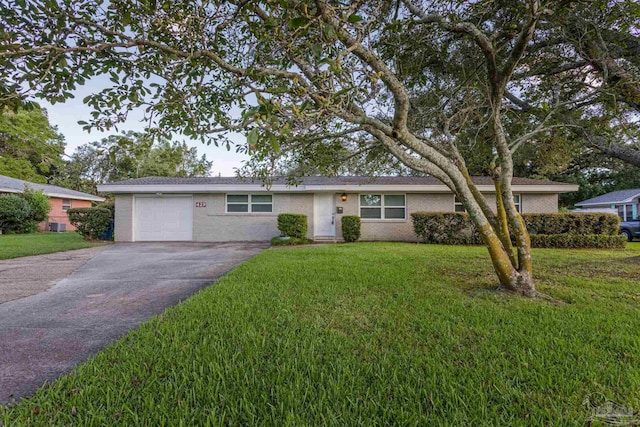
(44, 335)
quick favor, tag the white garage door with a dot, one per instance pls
(163, 219)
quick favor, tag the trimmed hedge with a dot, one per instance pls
(293, 225)
(91, 223)
(450, 228)
(350, 228)
(572, 223)
(595, 241)
(571, 230)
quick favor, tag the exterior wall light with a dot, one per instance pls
(343, 197)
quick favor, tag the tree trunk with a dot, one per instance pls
(518, 280)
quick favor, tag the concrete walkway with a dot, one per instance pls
(44, 335)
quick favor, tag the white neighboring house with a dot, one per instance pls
(622, 202)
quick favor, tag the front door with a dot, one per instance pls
(324, 215)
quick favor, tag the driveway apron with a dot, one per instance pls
(43, 336)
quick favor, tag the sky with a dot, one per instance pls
(66, 116)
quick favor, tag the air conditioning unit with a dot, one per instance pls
(57, 227)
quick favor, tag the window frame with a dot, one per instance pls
(66, 206)
(382, 207)
(249, 204)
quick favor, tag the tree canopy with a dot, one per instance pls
(126, 156)
(30, 148)
(446, 88)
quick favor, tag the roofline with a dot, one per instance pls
(279, 188)
(89, 197)
(627, 200)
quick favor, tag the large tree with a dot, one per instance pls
(129, 155)
(305, 80)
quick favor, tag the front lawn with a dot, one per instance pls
(17, 245)
(370, 334)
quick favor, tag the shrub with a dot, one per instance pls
(39, 204)
(572, 223)
(293, 225)
(291, 241)
(454, 228)
(91, 223)
(14, 213)
(576, 230)
(40, 207)
(595, 241)
(350, 228)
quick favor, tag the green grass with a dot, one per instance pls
(370, 334)
(17, 245)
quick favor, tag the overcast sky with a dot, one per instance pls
(66, 116)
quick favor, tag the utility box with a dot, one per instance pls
(57, 227)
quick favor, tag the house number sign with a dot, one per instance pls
(201, 204)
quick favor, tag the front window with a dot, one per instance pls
(516, 201)
(241, 203)
(387, 206)
(66, 204)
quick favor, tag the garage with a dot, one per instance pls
(163, 218)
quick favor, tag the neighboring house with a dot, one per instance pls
(230, 209)
(622, 202)
(61, 199)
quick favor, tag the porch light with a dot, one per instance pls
(343, 197)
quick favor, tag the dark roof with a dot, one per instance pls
(619, 196)
(17, 185)
(321, 180)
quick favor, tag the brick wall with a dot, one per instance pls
(57, 214)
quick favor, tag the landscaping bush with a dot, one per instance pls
(14, 213)
(572, 223)
(575, 230)
(293, 225)
(350, 228)
(291, 241)
(91, 223)
(574, 241)
(452, 228)
(40, 207)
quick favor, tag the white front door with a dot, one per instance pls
(163, 219)
(324, 224)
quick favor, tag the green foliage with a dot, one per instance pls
(368, 334)
(350, 228)
(131, 155)
(576, 241)
(572, 223)
(19, 245)
(291, 241)
(91, 223)
(30, 148)
(38, 202)
(293, 225)
(14, 213)
(455, 228)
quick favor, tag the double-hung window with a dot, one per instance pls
(66, 204)
(258, 203)
(383, 206)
